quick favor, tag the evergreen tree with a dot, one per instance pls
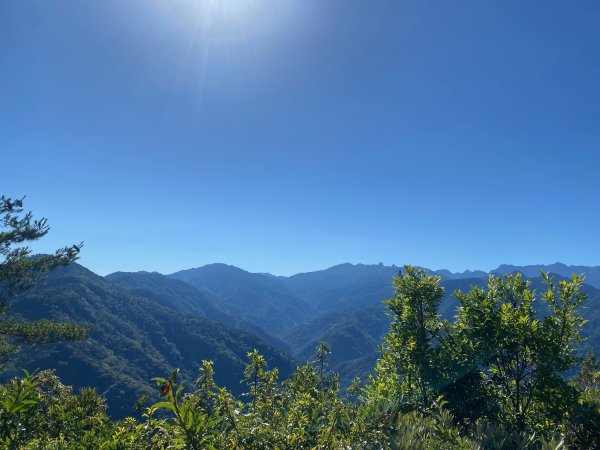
(19, 271)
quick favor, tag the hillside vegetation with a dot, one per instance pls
(496, 364)
(131, 339)
(498, 376)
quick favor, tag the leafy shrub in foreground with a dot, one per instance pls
(492, 379)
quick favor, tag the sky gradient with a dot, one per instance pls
(288, 136)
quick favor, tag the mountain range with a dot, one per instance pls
(134, 338)
(145, 324)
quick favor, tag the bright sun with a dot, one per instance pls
(226, 19)
(221, 18)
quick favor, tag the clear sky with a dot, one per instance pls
(288, 136)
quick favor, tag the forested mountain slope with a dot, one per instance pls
(183, 297)
(354, 286)
(146, 324)
(343, 286)
(171, 293)
(354, 335)
(132, 339)
(260, 299)
(345, 304)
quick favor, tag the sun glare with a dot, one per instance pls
(227, 18)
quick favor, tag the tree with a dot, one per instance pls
(589, 372)
(323, 349)
(522, 353)
(408, 364)
(254, 374)
(19, 271)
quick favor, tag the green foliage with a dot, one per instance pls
(306, 411)
(38, 410)
(20, 272)
(409, 364)
(132, 340)
(584, 424)
(501, 362)
(497, 377)
(521, 356)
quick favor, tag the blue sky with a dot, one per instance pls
(288, 136)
